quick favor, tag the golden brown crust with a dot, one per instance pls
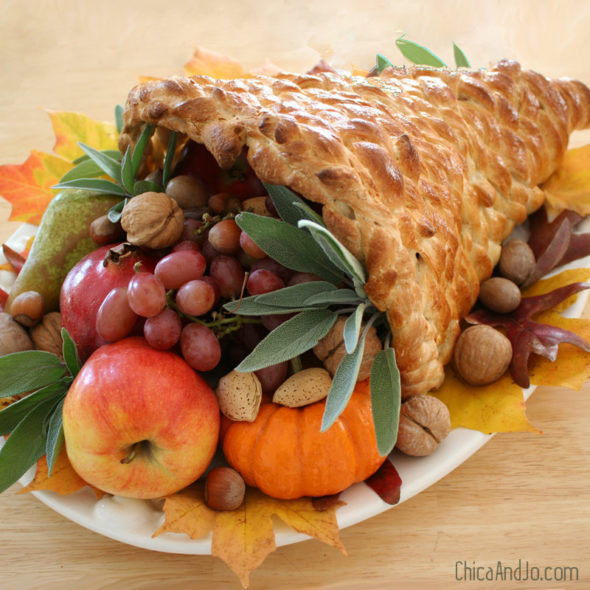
(421, 173)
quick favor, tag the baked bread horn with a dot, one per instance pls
(422, 173)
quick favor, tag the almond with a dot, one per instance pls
(303, 388)
(239, 396)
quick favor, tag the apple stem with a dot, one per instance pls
(131, 455)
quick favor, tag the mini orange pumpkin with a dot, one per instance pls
(284, 454)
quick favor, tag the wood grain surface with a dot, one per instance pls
(522, 497)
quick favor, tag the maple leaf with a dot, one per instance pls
(210, 63)
(244, 537)
(528, 336)
(569, 186)
(63, 479)
(386, 483)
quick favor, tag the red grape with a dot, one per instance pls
(186, 245)
(179, 267)
(272, 265)
(200, 347)
(190, 228)
(162, 331)
(229, 275)
(195, 297)
(302, 277)
(224, 236)
(115, 318)
(146, 294)
(250, 247)
(271, 377)
(263, 281)
(211, 281)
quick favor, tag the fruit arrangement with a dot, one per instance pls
(193, 323)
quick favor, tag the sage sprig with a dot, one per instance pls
(300, 241)
(34, 422)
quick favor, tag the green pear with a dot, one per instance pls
(63, 238)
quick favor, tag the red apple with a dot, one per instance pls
(139, 422)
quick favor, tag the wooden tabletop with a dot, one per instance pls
(523, 498)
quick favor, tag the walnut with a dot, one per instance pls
(330, 349)
(47, 334)
(13, 337)
(423, 423)
(153, 220)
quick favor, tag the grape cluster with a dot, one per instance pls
(179, 305)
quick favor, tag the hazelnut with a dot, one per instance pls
(239, 396)
(47, 334)
(224, 203)
(304, 387)
(423, 423)
(256, 205)
(517, 261)
(103, 231)
(482, 354)
(331, 350)
(187, 191)
(153, 220)
(224, 489)
(500, 294)
(27, 308)
(13, 337)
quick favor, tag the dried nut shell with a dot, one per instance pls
(153, 220)
(331, 350)
(500, 294)
(239, 396)
(423, 423)
(303, 388)
(517, 261)
(47, 335)
(482, 354)
(13, 337)
(256, 205)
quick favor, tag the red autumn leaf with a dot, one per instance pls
(386, 483)
(3, 298)
(15, 260)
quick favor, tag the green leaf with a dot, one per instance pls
(24, 371)
(418, 54)
(382, 63)
(338, 297)
(170, 150)
(85, 169)
(15, 412)
(289, 246)
(292, 338)
(296, 294)
(70, 353)
(106, 163)
(343, 384)
(25, 446)
(115, 211)
(146, 186)
(335, 251)
(119, 109)
(127, 173)
(461, 60)
(248, 306)
(385, 399)
(140, 147)
(97, 185)
(291, 207)
(55, 435)
(352, 328)
(114, 154)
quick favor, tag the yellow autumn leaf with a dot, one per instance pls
(209, 63)
(566, 277)
(70, 128)
(499, 407)
(569, 186)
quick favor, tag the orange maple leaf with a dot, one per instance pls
(244, 537)
(63, 479)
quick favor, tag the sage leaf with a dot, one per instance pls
(294, 295)
(85, 169)
(289, 246)
(55, 435)
(382, 63)
(140, 147)
(24, 371)
(352, 328)
(145, 186)
(127, 173)
(25, 445)
(97, 185)
(119, 117)
(291, 207)
(106, 163)
(337, 297)
(114, 154)
(292, 338)
(15, 412)
(335, 251)
(171, 149)
(461, 60)
(248, 306)
(70, 353)
(385, 399)
(343, 384)
(418, 54)
(114, 214)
